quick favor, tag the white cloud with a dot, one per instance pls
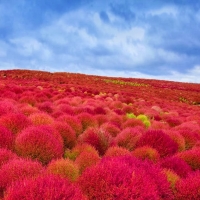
(27, 46)
(169, 10)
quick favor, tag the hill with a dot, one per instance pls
(77, 136)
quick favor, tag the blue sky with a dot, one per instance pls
(124, 38)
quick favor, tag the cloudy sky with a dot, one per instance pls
(125, 38)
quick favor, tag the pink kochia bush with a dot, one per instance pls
(188, 188)
(160, 141)
(39, 143)
(18, 169)
(124, 178)
(48, 187)
(6, 138)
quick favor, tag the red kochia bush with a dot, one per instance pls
(191, 157)
(41, 119)
(6, 138)
(87, 159)
(112, 129)
(39, 143)
(7, 107)
(177, 165)
(116, 151)
(160, 141)
(73, 121)
(14, 122)
(65, 168)
(188, 188)
(124, 178)
(67, 133)
(128, 138)
(146, 152)
(6, 155)
(49, 187)
(87, 120)
(18, 169)
(96, 137)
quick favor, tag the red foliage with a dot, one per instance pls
(41, 119)
(74, 122)
(87, 120)
(7, 107)
(192, 157)
(176, 164)
(86, 159)
(96, 137)
(146, 152)
(6, 138)
(117, 151)
(46, 107)
(39, 143)
(112, 129)
(133, 123)
(124, 178)
(14, 122)
(128, 138)
(49, 187)
(6, 155)
(18, 169)
(188, 188)
(65, 168)
(160, 141)
(67, 133)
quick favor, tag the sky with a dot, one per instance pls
(153, 39)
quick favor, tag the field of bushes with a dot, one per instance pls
(80, 137)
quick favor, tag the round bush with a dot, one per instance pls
(73, 121)
(49, 187)
(188, 188)
(39, 143)
(66, 168)
(146, 152)
(6, 138)
(191, 157)
(128, 138)
(41, 119)
(67, 133)
(96, 137)
(87, 159)
(78, 149)
(18, 169)
(112, 129)
(178, 165)
(87, 120)
(116, 151)
(6, 155)
(160, 141)
(124, 178)
(14, 122)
